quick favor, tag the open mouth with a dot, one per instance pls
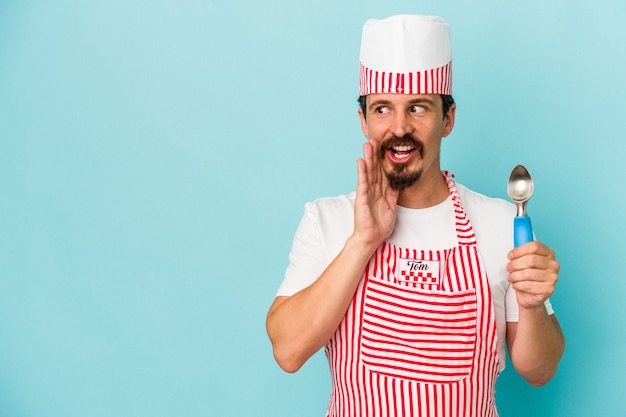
(401, 154)
(401, 150)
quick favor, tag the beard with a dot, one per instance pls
(400, 176)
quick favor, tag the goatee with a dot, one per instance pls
(398, 179)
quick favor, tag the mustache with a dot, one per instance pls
(406, 140)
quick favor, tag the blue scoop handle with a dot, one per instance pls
(522, 230)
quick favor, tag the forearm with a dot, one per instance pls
(300, 325)
(536, 345)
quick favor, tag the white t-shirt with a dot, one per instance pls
(328, 222)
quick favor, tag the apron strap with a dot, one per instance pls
(464, 231)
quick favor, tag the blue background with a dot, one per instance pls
(155, 157)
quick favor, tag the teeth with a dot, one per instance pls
(404, 148)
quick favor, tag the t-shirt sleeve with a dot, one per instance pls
(306, 259)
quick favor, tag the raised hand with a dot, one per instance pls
(375, 203)
(533, 273)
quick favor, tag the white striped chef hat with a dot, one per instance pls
(406, 54)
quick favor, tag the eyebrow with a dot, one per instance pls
(383, 102)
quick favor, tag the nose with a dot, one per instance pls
(401, 125)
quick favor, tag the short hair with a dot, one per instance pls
(446, 102)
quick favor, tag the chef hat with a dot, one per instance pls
(406, 54)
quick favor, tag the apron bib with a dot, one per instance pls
(419, 338)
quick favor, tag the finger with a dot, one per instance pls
(534, 287)
(373, 171)
(376, 166)
(533, 275)
(542, 291)
(533, 247)
(534, 262)
(362, 185)
(367, 158)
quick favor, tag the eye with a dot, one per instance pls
(381, 110)
(416, 109)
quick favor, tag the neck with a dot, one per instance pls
(428, 191)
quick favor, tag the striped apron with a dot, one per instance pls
(419, 338)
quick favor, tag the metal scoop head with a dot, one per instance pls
(520, 188)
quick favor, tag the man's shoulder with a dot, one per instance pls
(338, 204)
(333, 220)
(473, 200)
(491, 218)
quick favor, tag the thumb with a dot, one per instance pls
(391, 196)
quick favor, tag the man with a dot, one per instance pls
(410, 283)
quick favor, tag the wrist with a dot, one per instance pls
(533, 311)
(360, 248)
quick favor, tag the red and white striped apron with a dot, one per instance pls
(419, 338)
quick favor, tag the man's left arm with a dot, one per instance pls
(535, 342)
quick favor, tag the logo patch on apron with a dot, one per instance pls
(418, 272)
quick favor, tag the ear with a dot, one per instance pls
(448, 121)
(363, 123)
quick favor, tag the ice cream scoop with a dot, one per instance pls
(520, 189)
